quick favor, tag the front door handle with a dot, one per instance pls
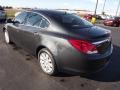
(36, 33)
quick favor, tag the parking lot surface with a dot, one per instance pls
(20, 71)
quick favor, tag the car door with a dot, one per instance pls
(119, 21)
(31, 31)
(15, 28)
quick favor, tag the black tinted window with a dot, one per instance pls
(21, 17)
(71, 20)
(34, 19)
(117, 18)
(44, 23)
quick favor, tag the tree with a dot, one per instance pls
(1, 8)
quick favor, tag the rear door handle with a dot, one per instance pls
(17, 30)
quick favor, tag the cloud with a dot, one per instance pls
(65, 5)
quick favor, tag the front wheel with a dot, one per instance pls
(7, 38)
(47, 62)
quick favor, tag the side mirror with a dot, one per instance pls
(9, 21)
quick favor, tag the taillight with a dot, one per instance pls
(110, 21)
(83, 46)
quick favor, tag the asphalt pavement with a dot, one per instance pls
(20, 71)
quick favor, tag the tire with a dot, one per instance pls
(47, 62)
(115, 25)
(7, 38)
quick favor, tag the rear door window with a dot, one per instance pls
(44, 23)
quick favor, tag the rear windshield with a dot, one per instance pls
(117, 18)
(71, 21)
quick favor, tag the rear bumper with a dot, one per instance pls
(89, 67)
(76, 63)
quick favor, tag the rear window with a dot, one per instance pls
(71, 20)
(117, 18)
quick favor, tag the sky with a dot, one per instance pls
(111, 5)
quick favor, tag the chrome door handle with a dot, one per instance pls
(36, 33)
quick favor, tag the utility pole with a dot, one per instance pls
(104, 6)
(117, 8)
(96, 7)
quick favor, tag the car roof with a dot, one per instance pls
(49, 12)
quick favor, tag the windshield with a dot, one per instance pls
(72, 21)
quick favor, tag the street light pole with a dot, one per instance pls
(96, 7)
(117, 8)
(104, 6)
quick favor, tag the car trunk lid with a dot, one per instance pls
(98, 36)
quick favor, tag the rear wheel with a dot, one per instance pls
(115, 25)
(47, 62)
